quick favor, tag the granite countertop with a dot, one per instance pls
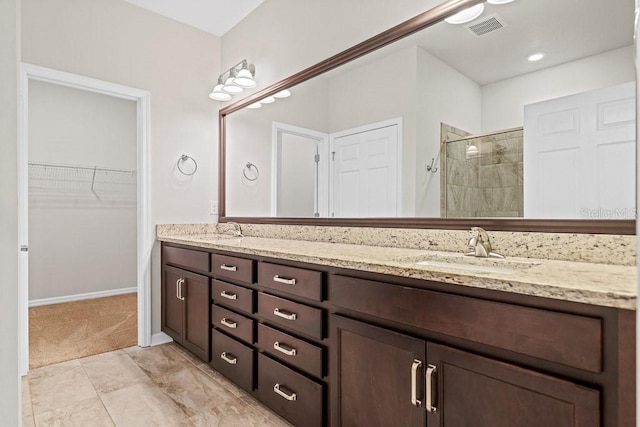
(591, 283)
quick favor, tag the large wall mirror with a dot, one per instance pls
(445, 125)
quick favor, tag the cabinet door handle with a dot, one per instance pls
(414, 382)
(280, 392)
(290, 351)
(229, 358)
(431, 369)
(228, 295)
(229, 323)
(283, 280)
(284, 314)
(179, 295)
(228, 267)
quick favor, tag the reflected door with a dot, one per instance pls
(365, 172)
(585, 144)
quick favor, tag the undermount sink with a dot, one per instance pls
(469, 263)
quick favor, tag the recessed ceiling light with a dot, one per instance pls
(536, 57)
(466, 15)
(499, 1)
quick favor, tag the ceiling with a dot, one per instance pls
(213, 16)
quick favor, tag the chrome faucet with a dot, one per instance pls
(235, 228)
(480, 244)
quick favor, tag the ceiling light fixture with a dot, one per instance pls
(536, 57)
(466, 15)
(233, 81)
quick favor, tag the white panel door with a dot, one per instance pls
(579, 155)
(365, 172)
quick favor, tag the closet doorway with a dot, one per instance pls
(84, 214)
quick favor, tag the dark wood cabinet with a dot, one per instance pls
(469, 390)
(378, 376)
(329, 346)
(185, 310)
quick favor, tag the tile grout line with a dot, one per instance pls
(97, 392)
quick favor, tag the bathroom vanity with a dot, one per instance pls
(347, 335)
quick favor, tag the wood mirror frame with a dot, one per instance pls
(419, 22)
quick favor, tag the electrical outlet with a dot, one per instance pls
(214, 207)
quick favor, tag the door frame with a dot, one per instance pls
(322, 177)
(145, 238)
(397, 121)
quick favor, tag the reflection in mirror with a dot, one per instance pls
(506, 137)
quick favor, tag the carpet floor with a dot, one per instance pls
(72, 330)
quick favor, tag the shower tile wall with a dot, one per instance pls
(490, 185)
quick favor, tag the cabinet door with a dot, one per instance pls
(480, 392)
(172, 305)
(378, 375)
(197, 326)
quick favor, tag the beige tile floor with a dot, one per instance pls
(154, 386)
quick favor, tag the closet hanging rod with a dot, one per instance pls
(84, 168)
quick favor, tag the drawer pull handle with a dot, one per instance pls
(229, 358)
(228, 267)
(431, 369)
(284, 314)
(229, 323)
(414, 382)
(228, 295)
(280, 392)
(279, 279)
(290, 351)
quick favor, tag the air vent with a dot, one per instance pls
(486, 25)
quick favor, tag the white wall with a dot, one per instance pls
(10, 406)
(502, 102)
(115, 41)
(80, 242)
(444, 95)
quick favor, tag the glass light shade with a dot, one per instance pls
(244, 79)
(499, 1)
(254, 105)
(472, 152)
(282, 94)
(230, 87)
(218, 95)
(466, 15)
(268, 100)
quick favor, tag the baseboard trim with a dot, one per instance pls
(160, 338)
(79, 297)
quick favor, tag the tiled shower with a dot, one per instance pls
(482, 174)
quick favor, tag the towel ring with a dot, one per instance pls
(248, 167)
(184, 158)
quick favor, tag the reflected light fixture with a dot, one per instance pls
(254, 105)
(268, 100)
(472, 152)
(499, 1)
(282, 94)
(466, 15)
(536, 56)
(233, 81)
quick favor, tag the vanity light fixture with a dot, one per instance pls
(233, 81)
(466, 15)
(499, 1)
(218, 94)
(268, 100)
(254, 105)
(472, 152)
(536, 56)
(282, 94)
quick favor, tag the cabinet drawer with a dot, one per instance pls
(232, 323)
(232, 359)
(233, 296)
(293, 315)
(230, 267)
(295, 397)
(563, 338)
(295, 281)
(188, 258)
(297, 352)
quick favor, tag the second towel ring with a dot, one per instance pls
(248, 167)
(184, 158)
